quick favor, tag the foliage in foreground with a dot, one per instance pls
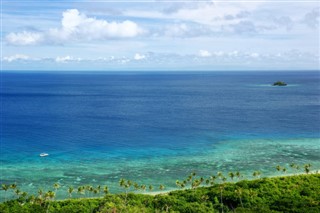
(299, 193)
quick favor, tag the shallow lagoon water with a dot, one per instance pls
(154, 128)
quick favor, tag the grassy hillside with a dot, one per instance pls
(299, 193)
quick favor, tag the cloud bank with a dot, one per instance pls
(76, 26)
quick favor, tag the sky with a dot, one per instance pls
(160, 35)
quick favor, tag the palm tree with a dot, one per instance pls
(40, 196)
(17, 192)
(50, 196)
(81, 190)
(98, 189)
(105, 190)
(143, 187)
(70, 190)
(207, 181)
(284, 170)
(307, 168)
(161, 187)
(150, 188)
(194, 184)
(24, 196)
(292, 165)
(95, 192)
(56, 186)
(5, 188)
(256, 174)
(178, 183)
(224, 179)
(136, 186)
(278, 168)
(231, 175)
(259, 174)
(90, 190)
(126, 184)
(122, 182)
(32, 199)
(212, 179)
(297, 167)
(238, 175)
(185, 182)
(13, 186)
(201, 179)
(40, 193)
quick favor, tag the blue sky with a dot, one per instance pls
(160, 35)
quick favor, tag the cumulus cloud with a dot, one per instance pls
(77, 26)
(16, 57)
(24, 38)
(138, 56)
(204, 53)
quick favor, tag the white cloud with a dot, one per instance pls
(138, 56)
(255, 55)
(234, 53)
(67, 58)
(204, 53)
(16, 57)
(176, 30)
(24, 38)
(76, 26)
(205, 13)
(238, 59)
(218, 54)
(225, 18)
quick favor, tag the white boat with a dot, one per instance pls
(44, 154)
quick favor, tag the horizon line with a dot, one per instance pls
(242, 70)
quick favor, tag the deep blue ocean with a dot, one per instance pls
(154, 127)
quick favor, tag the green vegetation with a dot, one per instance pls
(279, 83)
(296, 193)
(281, 194)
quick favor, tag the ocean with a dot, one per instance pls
(154, 127)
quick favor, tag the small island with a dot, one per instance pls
(279, 83)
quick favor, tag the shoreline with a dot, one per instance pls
(166, 192)
(246, 196)
(273, 176)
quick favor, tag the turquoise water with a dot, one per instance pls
(154, 128)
